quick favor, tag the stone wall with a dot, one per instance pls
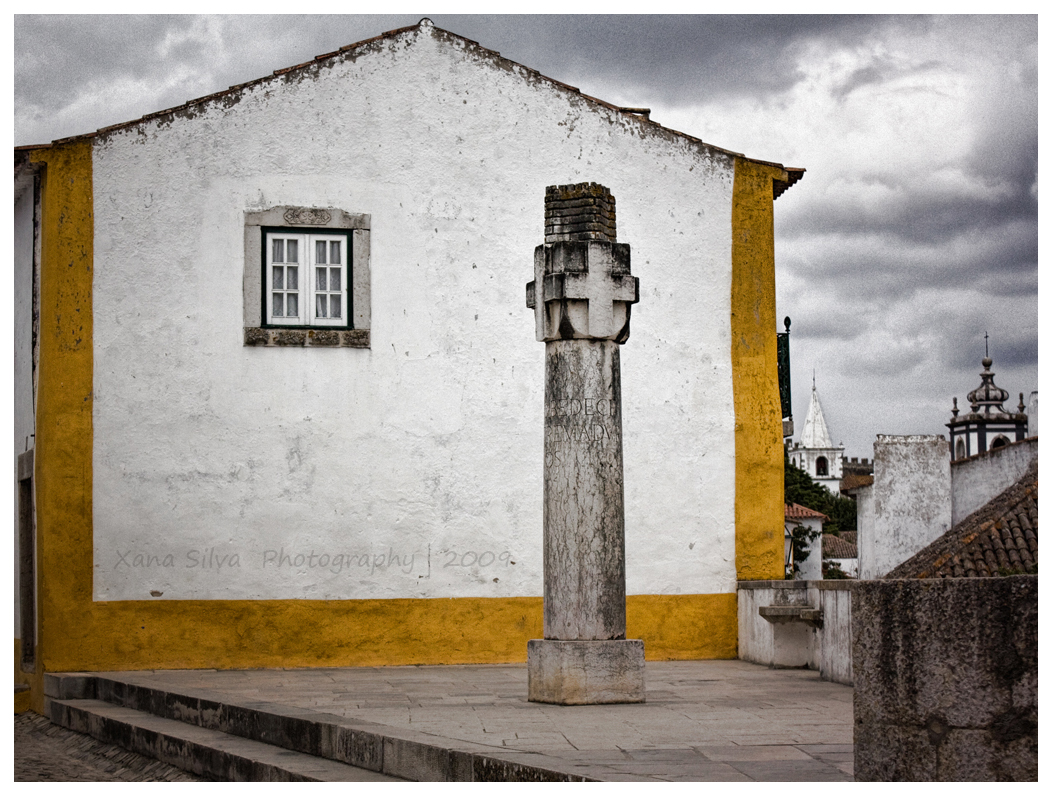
(945, 676)
(979, 479)
(823, 645)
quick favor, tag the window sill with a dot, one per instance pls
(307, 338)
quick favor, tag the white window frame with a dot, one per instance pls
(314, 296)
(307, 221)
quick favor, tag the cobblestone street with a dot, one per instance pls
(45, 752)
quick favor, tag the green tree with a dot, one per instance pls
(799, 488)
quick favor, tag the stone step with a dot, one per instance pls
(199, 750)
(395, 751)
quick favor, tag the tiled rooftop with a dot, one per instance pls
(998, 539)
(838, 547)
(854, 480)
(794, 511)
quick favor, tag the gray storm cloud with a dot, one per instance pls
(913, 234)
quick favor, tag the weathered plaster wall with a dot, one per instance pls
(811, 567)
(418, 460)
(825, 648)
(979, 479)
(946, 679)
(23, 322)
(908, 505)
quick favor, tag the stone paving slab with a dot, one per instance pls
(703, 721)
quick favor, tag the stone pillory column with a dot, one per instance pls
(582, 295)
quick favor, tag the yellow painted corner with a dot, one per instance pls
(62, 461)
(759, 476)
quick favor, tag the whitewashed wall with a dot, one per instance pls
(428, 447)
(825, 648)
(24, 409)
(978, 480)
(908, 506)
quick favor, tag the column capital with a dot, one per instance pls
(582, 290)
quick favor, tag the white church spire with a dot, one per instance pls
(816, 432)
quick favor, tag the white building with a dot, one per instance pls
(815, 453)
(284, 404)
(811, 521)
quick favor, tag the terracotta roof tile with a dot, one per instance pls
(998, 539)
(854, 480)
(794, 511)
(837, 547)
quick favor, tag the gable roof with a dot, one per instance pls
(353, 51)
(998, 539)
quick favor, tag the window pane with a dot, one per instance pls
(334, 305)
(292, 272)
(279, 250)
(320, 273)
(294, 251)
(279, 277)
(319, 251)
(294, 308)
(334, 279)
(321, 307)
(279, 305)
(335, 249)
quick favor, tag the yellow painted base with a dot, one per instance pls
(678, 627)
(301, 633)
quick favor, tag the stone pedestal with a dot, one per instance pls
(582, 295)
(585, 672)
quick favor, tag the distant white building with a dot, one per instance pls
(815, 453)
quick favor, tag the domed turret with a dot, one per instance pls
(988, 425)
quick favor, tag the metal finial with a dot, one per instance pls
(813, 388)
(986, 337)
(787, 322)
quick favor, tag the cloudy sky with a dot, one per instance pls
(913, 233)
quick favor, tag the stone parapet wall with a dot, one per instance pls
(945, 678)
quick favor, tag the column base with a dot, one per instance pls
(585, 672)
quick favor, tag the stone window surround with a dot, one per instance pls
(309, 218)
